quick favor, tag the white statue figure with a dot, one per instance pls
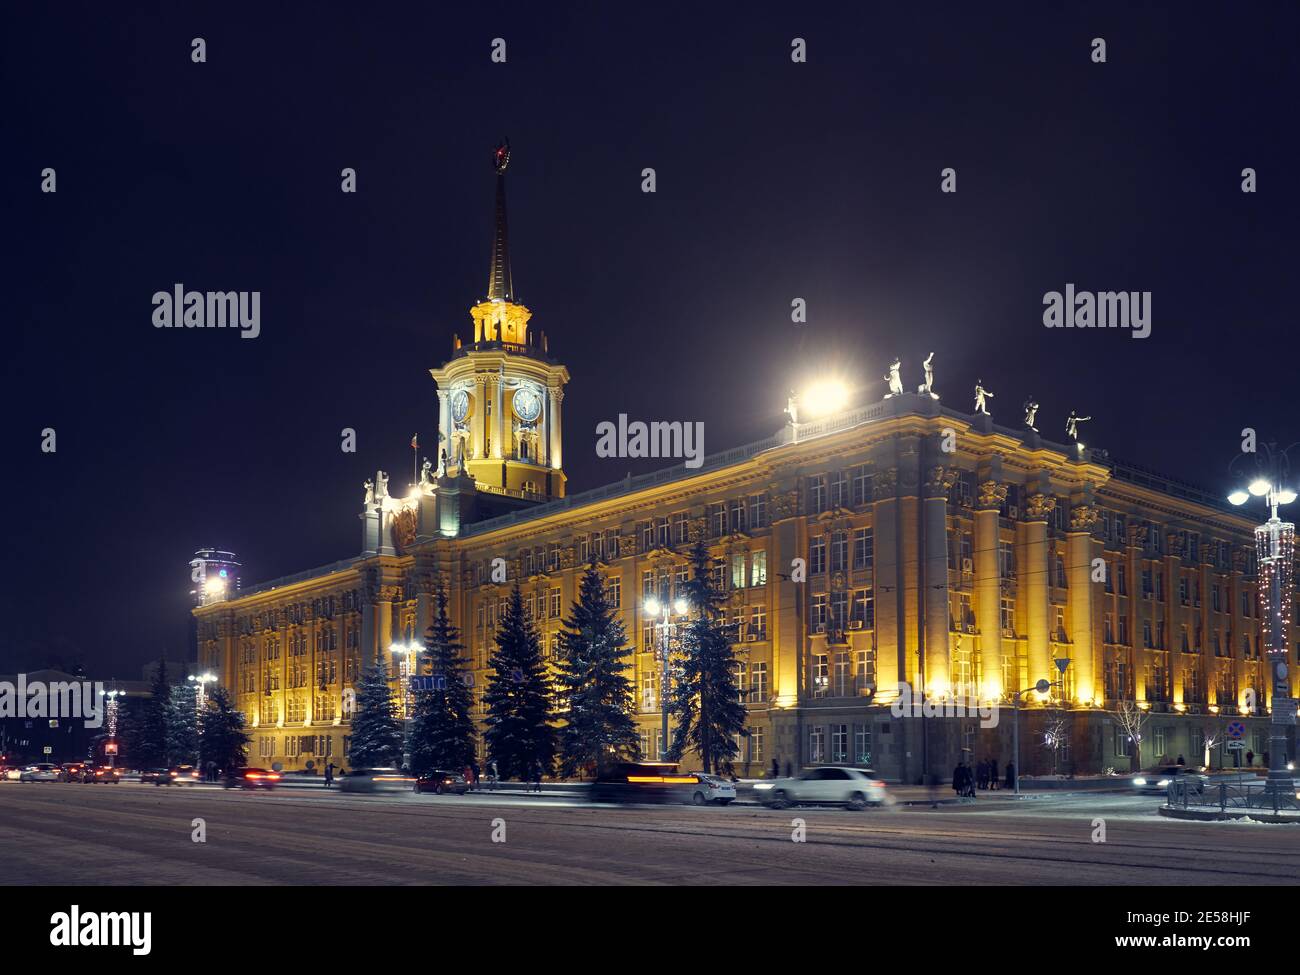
(981, 395)
(927, 388)
(1031, 411)
(792, 408)
(426, 474)
(895, 379)
(1072, 425)
(381, 485)
(369, 485)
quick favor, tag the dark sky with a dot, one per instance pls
(775, 180)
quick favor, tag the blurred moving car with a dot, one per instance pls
(152, 775)
(649, 782)
(71, 771)
(376, 780)
(1157, 780)
(11, 773)
(40, 772)
(441, 782)
(251, 778)
(853, 788)
(180, 775)
(710, 789)
(100, 773)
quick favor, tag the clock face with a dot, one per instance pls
(528, 405)
(459, 405)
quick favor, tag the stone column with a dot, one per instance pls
(1034, 590)
(1085, 606)
(478, 423)
(888, 586)
(444, 431)
(1173, 616)
(554, 451)
(934, 509)
(988, 587)
(789, 625)
(498, 418)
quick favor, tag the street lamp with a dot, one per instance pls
(405, 654)
(1042, 687)
(200, 691)
(664, 608)
(1275, 547)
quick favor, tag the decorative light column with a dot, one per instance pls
(665, 609)
(1275, 546)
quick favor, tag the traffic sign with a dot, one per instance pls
(1236, 729)
(1236, 746)
(49, 749)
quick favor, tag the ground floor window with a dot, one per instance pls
(839, 743)
(816, 745)
(862, 744)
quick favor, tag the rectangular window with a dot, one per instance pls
(861, 485)
(758, 683)
(718, 519)
(756, 745)
(758, 510)
(739, 522)
(1008, 610)
(738, 570)
(614, 590)
(839, 551)
(758, 623)
(839, 743)
(817, 555)
(819, 605)
(681, 528)
(816, 494)
(839, 494)
(864, 608)
(555, 600)
(816, 745)
(758, 568)
(862, 744)
(863, 549)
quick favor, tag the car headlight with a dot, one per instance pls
(1139, 781)
(1162, 783)
(762, 786)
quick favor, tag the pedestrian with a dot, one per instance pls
(1011, 775)
(474, 769)
(982, 775)
(959, 779)
(493, 775)
(1180, 760)
(537, 776)
(993, 774)
(329, 775)
(776, 769)
(1250, 758)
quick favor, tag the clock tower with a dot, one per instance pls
(500, 397)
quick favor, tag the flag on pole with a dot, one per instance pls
(415, 442)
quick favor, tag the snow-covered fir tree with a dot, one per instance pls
(595, 694)
(706, 698)
(442, 732)
(520, 734)
(376, 730)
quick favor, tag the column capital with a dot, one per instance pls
(1038, 507)
(993, 494)
(1083, 518)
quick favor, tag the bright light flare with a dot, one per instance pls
(824, 397)
(1259, 487)
(1239, 497)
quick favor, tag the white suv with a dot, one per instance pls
(709, 789)
(853, 788)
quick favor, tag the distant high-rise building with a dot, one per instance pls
(215, 575)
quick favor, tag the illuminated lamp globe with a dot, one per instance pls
(1259, 487)
(1239, 497)
(1286, 496)
(652, 606)
(681, 605)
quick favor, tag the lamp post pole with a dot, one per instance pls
(1042, 687)
(665, 609)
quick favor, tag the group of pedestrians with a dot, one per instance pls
(984, 776)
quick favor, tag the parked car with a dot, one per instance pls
(153, 775)
(710, 789)
(71, 771)
(1156, 781)
(441, 782)
(100, 773)
(180, 775)
(853, 788)
(40, 772)
(648, 782)
(251, 778)
(377, 780)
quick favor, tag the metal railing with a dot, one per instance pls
(1227, 795)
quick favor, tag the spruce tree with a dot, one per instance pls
(376, 729)
(706, 699)
(443, 732)
(222, 738)
(183, 725)
(150, 745)
(595, 692)
(519, 733)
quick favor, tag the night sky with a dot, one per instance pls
(775, 181)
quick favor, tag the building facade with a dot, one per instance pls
(890, 548)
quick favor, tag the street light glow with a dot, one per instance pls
(1285, 496)
(1239, 496)
(652, 606)
(681, 605)
(825, 396)
(1259, 487)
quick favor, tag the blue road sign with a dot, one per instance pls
(1236, 729)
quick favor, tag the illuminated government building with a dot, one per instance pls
(968, 573)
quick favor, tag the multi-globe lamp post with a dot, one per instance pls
(201, 681)
(406, 656)
(1275, 548)
(665, 609)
